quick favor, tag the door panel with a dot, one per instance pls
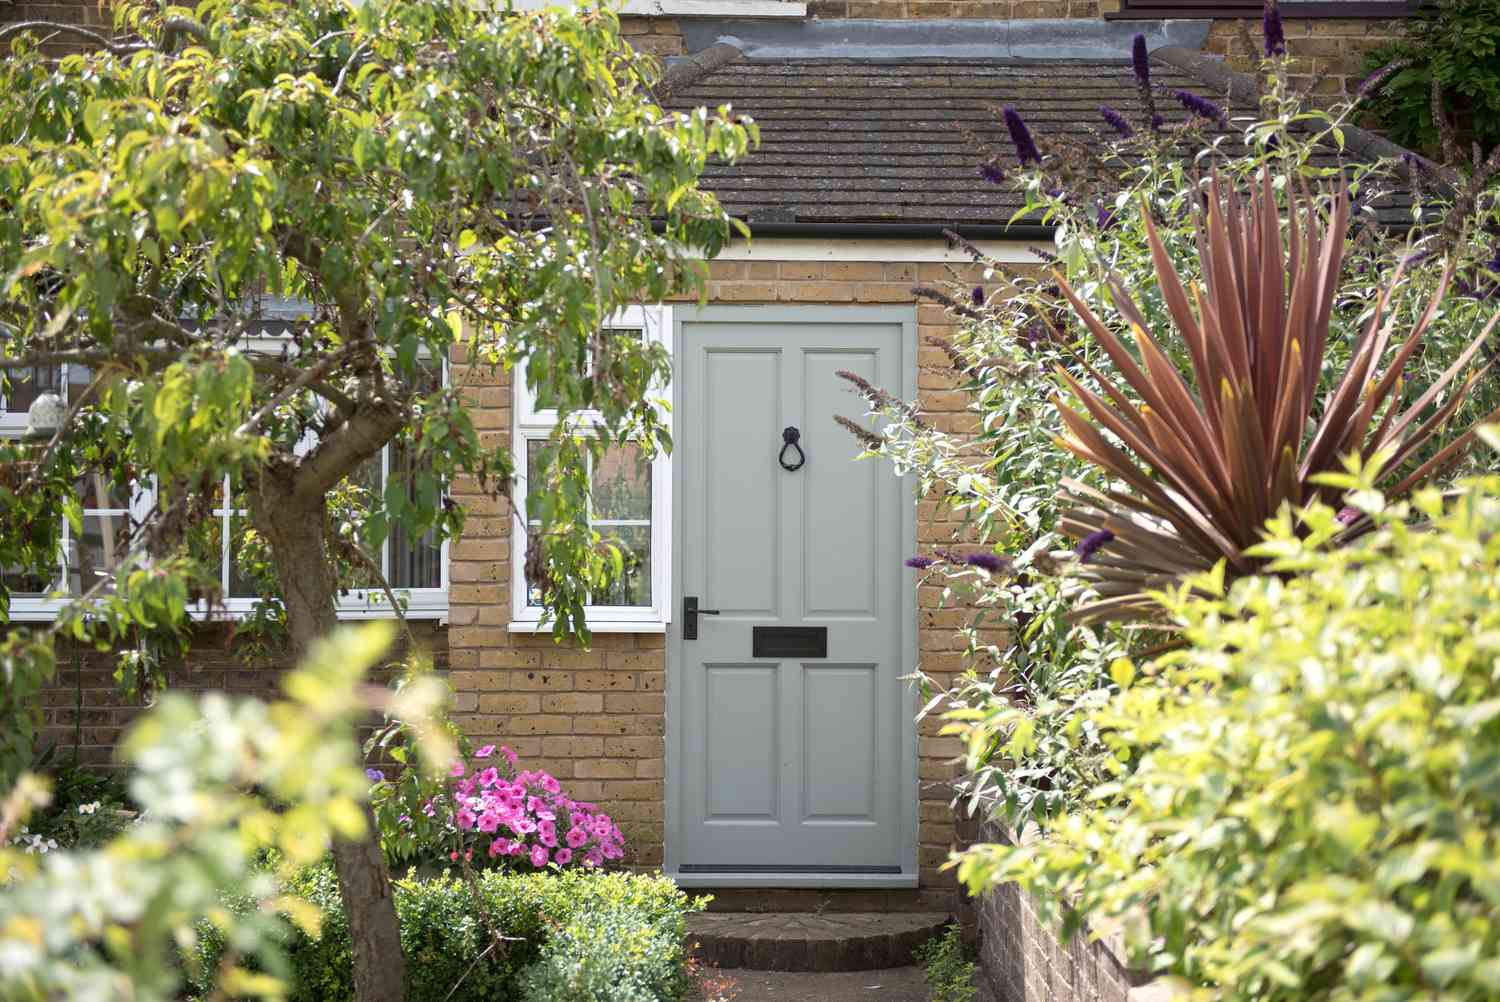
(789, 764)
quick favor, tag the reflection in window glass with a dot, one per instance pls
(28, 384)
(620, 510)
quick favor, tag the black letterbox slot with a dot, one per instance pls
(789, 641)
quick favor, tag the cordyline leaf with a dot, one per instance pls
(1199, 464)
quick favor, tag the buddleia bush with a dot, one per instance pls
(1303, 802)
(1020, 350)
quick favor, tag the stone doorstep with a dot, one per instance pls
(811, 941)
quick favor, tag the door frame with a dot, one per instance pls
(906, 316)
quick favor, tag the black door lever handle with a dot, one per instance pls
(690, 614)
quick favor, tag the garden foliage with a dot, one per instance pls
(574, 935)
(1203, 462)
(1037, 671)
(221, 781)
(1304, 801)
(1453, 45)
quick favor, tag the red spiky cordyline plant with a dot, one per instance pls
(1198, 467)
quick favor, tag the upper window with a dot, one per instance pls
(628, 506)
(1255, 8)
(416, 569)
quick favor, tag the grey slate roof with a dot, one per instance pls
(857, 141)
(899, 140)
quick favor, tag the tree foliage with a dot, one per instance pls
(220, 781)
(433, 181)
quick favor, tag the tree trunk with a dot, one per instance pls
(293, 528)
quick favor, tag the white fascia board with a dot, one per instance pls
(690, 8)
(935, 250)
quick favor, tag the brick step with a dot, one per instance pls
(811, 941)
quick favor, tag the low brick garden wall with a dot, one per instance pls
(1022, 960)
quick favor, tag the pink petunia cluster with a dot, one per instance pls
(524, 814)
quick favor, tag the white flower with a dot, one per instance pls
(88, 808)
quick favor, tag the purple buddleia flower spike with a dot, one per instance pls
(1274, 31)
(920, 563)
(977, 296)
(1157, 121)
(992, 173)
(987, 561)
(1374, 81)
(1093, 543)
(1140, 60)
(1200, 106)
(1026, 151)
(1104, 219)
(1115, 120)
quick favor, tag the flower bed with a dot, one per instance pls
(578, 936)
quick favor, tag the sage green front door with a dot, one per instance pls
(789, 721)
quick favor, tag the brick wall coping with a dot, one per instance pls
(1024, 39)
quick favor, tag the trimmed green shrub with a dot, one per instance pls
(1306, 799)
(615, 954)
(627, 926)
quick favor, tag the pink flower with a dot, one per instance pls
(523, 826)
(538, 856)
(593, 857)
(550, 784)
(563, 856)
(500, 847)
(453, 856)
(489, 822)
(576, 837)
(510, 756)
(458, 768)
(489, 777)
(465, 818)
(485, 752)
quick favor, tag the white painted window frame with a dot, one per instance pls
(357, 603)
(532, 424)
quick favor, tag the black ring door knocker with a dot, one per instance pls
(789, 437)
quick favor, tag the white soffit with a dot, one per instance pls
(689, 8)
(866, 249)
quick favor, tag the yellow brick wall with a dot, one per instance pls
(596, 718)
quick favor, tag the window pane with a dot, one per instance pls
(28, 384)
(31, 584)
(545, 400)
(242, 582)
(633, 587)
(415, 562)
(94, 556)
(622, 485)
(97, 491)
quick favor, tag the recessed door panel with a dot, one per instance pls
(742, 503)
(840, 713)
(840, 496)
(742, 752)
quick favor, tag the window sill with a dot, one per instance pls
(424, 607)
(642, 626)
